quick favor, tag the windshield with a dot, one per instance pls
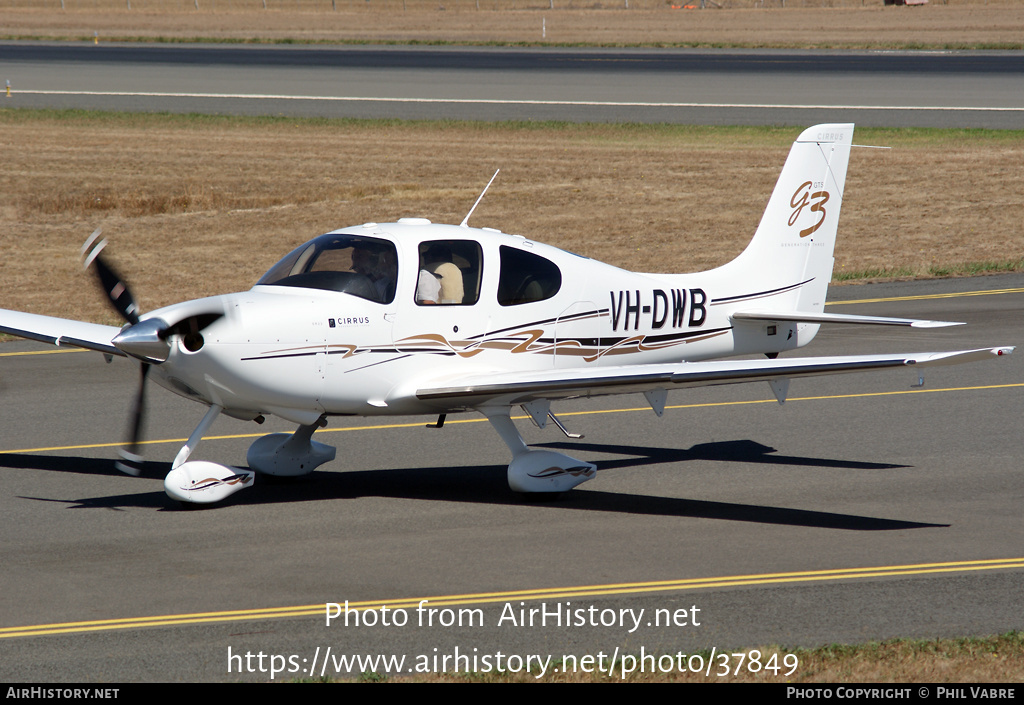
(366, 267)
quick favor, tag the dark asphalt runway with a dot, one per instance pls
(977, 89)
(906, 489)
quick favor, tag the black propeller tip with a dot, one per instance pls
(112, 283)
(130, 463)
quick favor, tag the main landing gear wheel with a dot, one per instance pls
(537, 471)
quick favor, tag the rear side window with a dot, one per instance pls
(526, 277)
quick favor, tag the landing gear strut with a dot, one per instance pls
(536, 470)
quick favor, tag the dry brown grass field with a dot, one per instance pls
(199, 206)
(755, 23)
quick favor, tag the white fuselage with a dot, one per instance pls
(300, 352)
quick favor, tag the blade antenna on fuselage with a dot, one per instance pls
(480, 198)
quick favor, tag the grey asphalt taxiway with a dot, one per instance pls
(863, 508)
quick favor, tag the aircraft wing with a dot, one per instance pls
(60, 331)
(523, 387)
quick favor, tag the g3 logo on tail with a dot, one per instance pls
(803, 197)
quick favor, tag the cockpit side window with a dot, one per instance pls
(352, 264)
(450, 272)
(526, 277)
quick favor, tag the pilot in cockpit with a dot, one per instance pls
(379, 266)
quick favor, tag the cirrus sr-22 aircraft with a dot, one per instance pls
(419, 318)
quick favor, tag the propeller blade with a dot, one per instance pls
(131, 458)
(145, 340)
(111, 282)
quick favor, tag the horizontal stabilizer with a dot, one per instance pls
(808, 317)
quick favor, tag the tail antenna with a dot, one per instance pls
(480, 198)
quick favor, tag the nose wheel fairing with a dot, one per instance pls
(281, 454)
(203, 482)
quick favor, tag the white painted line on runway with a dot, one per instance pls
(503, 101)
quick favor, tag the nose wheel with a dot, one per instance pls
(200, 481)
(203, 482)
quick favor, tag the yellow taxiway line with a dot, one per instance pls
(575, 592)
(55, 351)
(922, 297)
(417, 424)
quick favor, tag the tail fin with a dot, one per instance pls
(791, 253)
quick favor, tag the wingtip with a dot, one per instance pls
(936, 324)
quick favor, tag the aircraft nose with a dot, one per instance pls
(143, 340)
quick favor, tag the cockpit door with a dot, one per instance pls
(439, 309)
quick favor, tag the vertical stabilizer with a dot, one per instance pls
(791, 254)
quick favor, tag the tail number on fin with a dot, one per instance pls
(803, 197)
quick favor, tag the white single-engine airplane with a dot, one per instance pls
(417, 318)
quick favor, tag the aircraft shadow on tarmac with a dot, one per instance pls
(739, 451)
(487, 484)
